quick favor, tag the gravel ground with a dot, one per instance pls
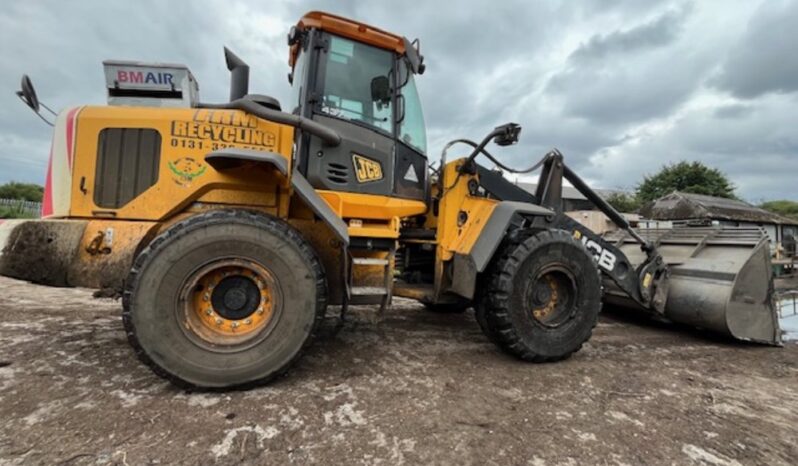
(416, 388)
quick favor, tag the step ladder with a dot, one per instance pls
(359, 294)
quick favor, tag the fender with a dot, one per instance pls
(229, 158)
(494, 231)
(467, 266)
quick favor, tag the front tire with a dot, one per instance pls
(225, 298)
(543, 297)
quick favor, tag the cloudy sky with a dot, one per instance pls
(620, 86)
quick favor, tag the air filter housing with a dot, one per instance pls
(144, 84)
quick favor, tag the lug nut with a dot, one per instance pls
(248, 321)
(234, 325)
(218, 321)
(209, 311)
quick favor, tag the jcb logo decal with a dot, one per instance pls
(606, 259)
(366, 169)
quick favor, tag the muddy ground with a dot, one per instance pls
(417, 388)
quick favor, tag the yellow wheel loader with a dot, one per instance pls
(229, 228)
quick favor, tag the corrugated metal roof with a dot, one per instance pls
(689, 206)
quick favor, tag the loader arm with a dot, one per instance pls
(716, 278)
(647, 283)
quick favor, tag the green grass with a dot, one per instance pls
(7, 212)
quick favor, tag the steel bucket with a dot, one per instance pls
(720, 279)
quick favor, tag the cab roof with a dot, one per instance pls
(350, 29)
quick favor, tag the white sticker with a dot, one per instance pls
(109, 237)
(343, 48)
(411, 175)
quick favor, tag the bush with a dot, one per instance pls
(782, 207)
(22, 191)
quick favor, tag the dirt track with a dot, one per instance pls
(418, 388)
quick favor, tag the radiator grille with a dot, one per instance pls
(127, 165)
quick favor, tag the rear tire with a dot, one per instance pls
(225, 298)
(542, 297)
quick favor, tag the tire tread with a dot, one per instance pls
(196, 222)
(495, 303)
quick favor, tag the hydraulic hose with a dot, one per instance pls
(491, 157)
(480, 149)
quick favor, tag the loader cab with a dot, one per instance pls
(358, 81)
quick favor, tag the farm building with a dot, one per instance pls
(698, 209)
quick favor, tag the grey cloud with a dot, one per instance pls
(733, 111)
(595, 79)
(755, 153)
(764, 59)
(656, 33)
(61, 45)
(629, 75)
(627, 95)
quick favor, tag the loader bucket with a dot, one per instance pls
(720, 279)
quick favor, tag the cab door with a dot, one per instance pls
(346, 75)
(411, 169)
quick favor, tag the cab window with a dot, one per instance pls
(298, 80)
(411, 128)
(350, 69)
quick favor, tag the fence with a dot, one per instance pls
(20, 207)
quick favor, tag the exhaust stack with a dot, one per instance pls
(239, 75)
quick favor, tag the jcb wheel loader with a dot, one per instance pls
(229, 228)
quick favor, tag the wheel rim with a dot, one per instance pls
(230, 302)
(552, 296)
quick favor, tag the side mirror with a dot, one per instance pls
(380, 89)
(507, 134)
(28, 94)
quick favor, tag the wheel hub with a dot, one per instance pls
(229, 302)
(542, 294)
(235, 297)
(552, 296)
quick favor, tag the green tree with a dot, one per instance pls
(22, 191)
(623, 202)
(689, 177)
(782, 207)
